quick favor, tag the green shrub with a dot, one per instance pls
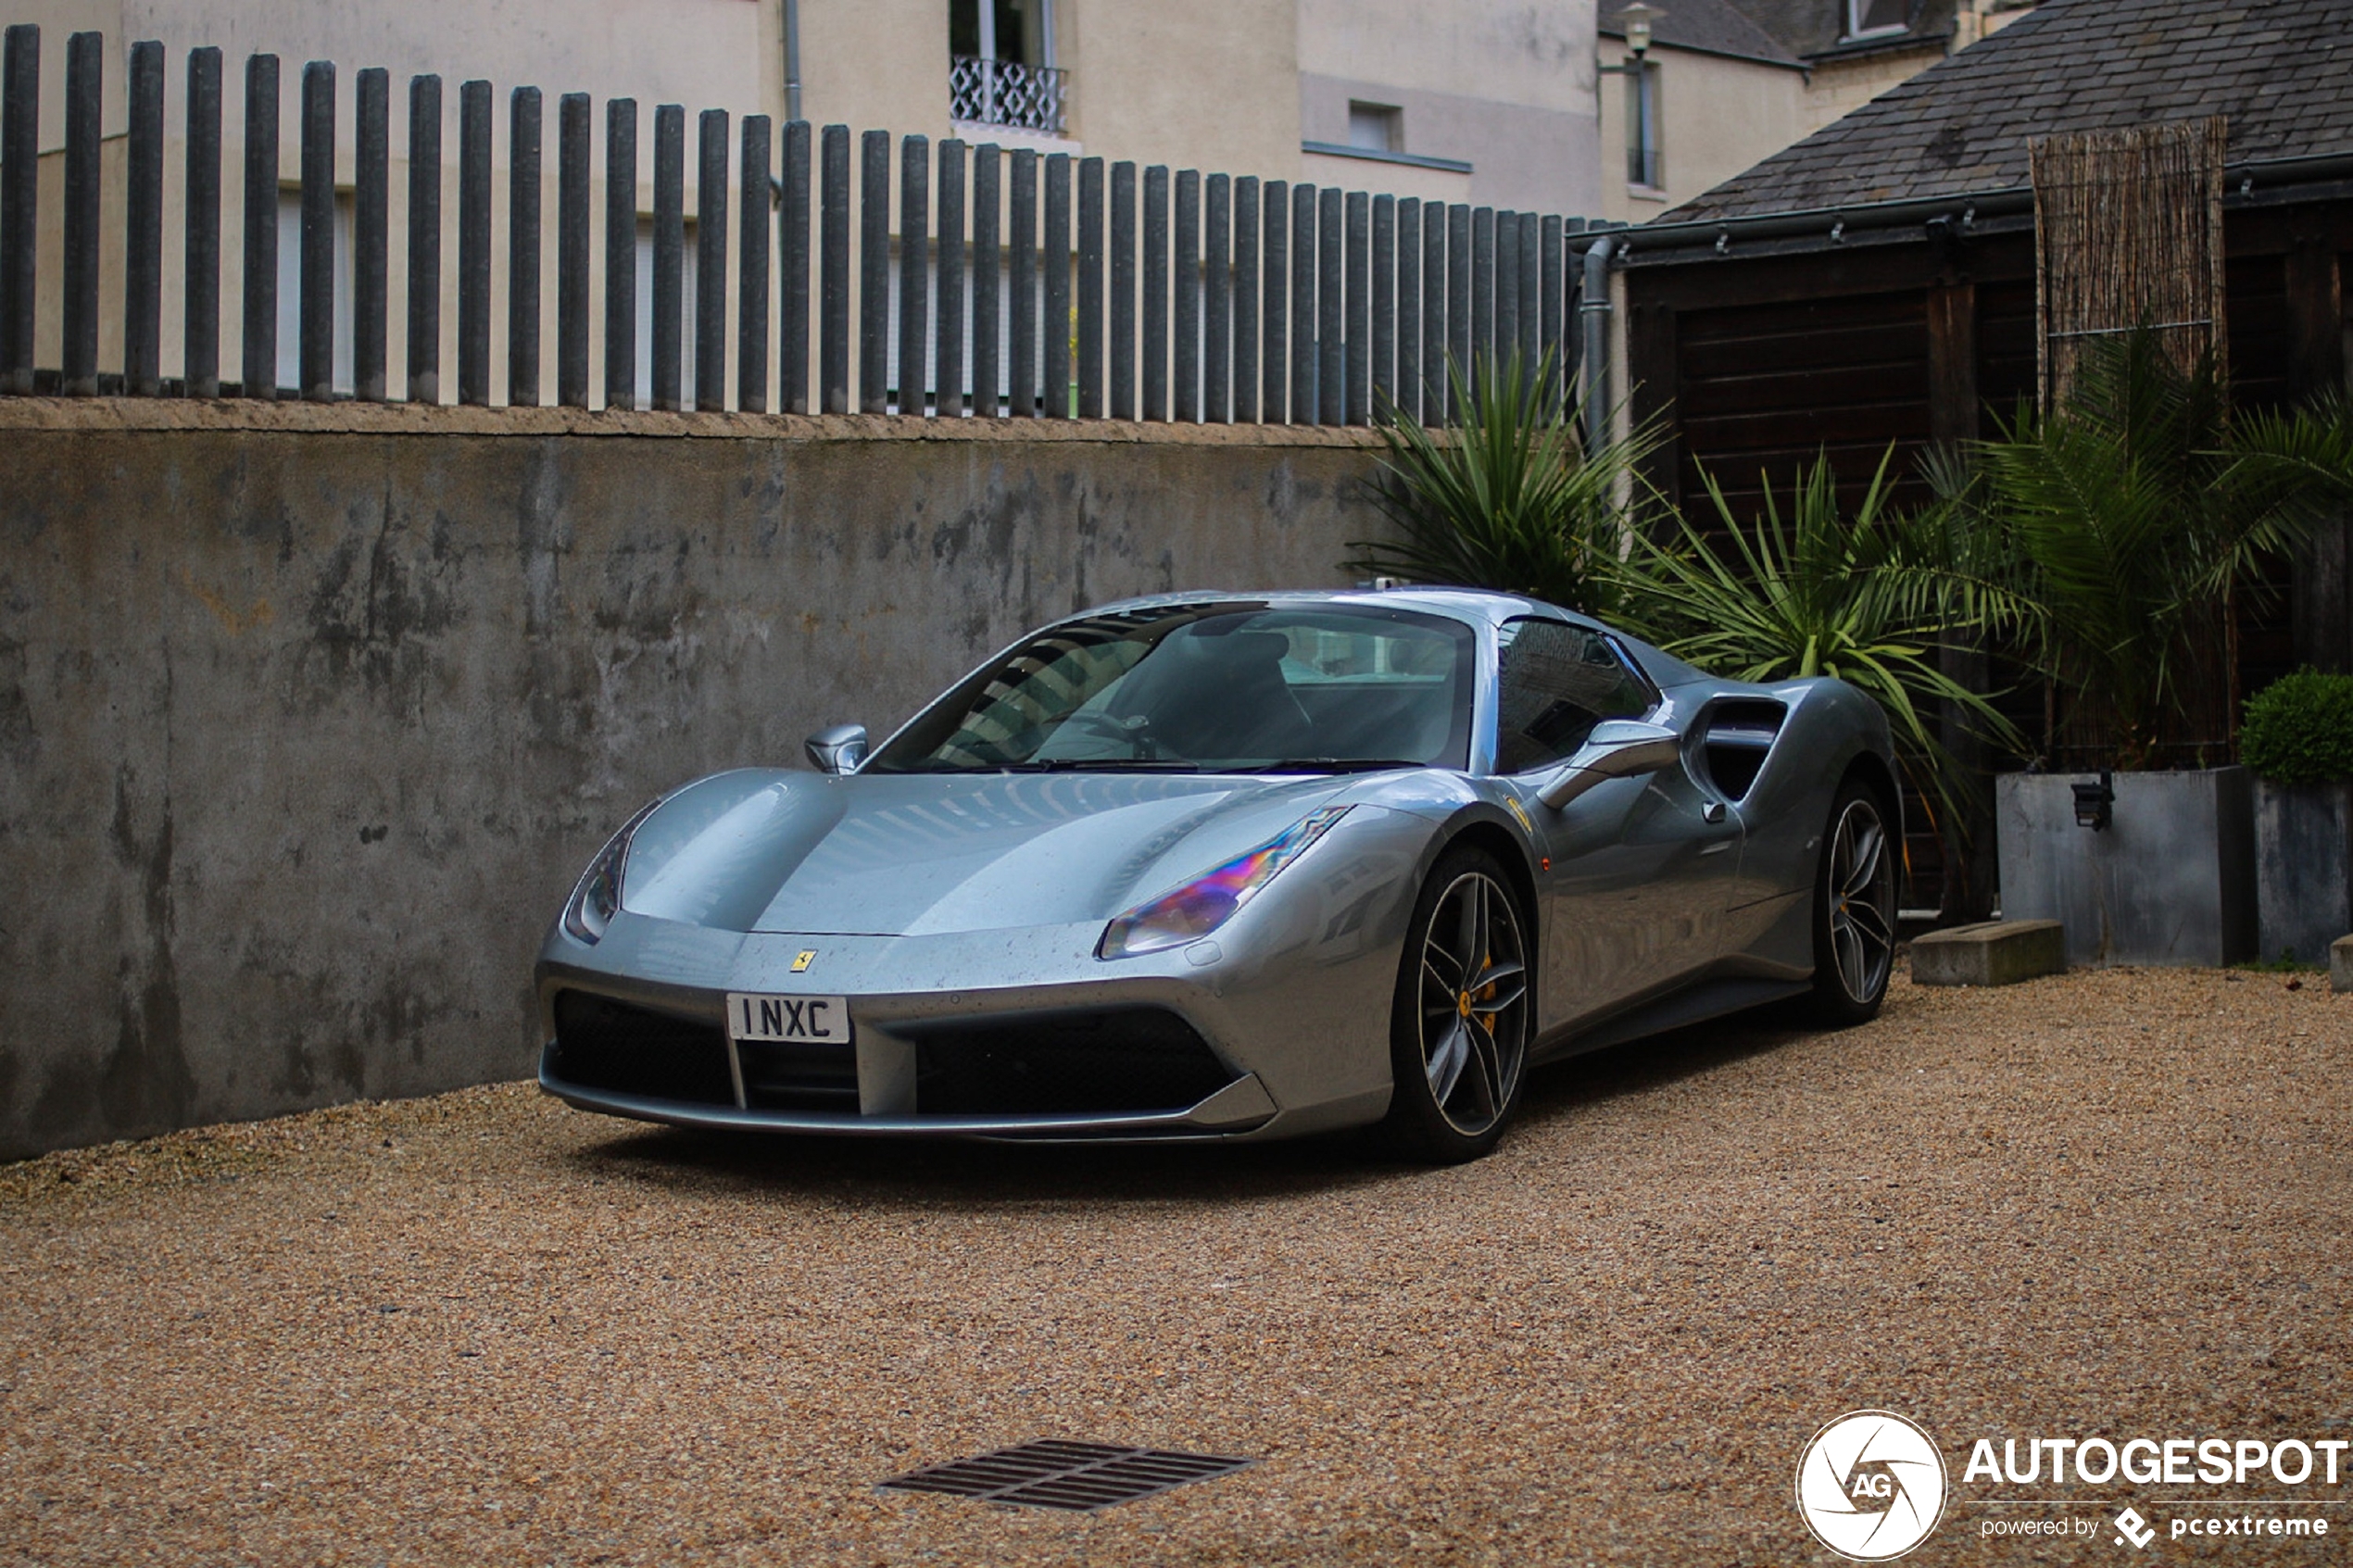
(2299, 729)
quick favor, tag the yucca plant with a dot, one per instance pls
(2132, 512)
(1505, 495)
(1810, 589)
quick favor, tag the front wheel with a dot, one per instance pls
(1458, 1031)
(1854, 909)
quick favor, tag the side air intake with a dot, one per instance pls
(1740, 734)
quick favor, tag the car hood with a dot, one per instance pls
(904, 854)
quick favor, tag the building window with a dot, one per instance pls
(1644, 165)
(1376, 128)
(1001, 65)
(1872, 18)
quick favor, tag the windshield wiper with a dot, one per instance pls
(1101, 765)
(1334, 765)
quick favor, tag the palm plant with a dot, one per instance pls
(1505, 496)
(1867, 597)
(2132, 511)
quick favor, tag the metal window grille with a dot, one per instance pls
(982, 92)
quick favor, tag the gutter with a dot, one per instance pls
(2248, 183)
(792, 60)
(1592, 326)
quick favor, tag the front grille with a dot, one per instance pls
(800, 1077)
(602, 1044)
(1103, 1061)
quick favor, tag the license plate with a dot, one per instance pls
(812, 1020)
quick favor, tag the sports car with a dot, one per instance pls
(1234, 866)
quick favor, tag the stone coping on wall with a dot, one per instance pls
(142, 414)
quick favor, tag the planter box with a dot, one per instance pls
(2170, 881)
(2303, 868)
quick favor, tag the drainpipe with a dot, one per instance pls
(1593, 320)
(792, 59)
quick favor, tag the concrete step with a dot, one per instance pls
(1993, 952)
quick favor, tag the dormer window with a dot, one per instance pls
(1877, 19)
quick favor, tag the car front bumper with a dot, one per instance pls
(1291, 999)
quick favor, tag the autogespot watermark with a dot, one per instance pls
(1872, 1485)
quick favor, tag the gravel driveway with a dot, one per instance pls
(486, 1328)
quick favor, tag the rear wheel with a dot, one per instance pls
(1854, 909)
(1458, 1031)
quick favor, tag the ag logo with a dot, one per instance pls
(1871, 1486)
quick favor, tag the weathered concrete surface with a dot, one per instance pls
(2341, 965)
(1992, 952)
(2303, 868)
(310, 716)
(2171, 881)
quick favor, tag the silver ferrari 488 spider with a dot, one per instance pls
(1234, 866)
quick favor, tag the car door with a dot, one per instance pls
(1639, 869)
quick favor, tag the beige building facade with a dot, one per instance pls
(1725, 83)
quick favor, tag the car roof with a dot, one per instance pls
(1474, 606)
(1478, 606)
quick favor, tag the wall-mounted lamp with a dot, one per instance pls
(1636, 19)
(2096, 803)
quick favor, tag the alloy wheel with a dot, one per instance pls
(1862, 900)
(1474, 1002)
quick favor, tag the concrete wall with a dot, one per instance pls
(2170, 880)
(310, 715)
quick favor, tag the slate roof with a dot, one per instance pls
(1717, 27)
(2281, 70)
(1812, 29)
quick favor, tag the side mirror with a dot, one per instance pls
(1618, 749)
(837, 750)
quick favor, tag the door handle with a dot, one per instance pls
(1712, 813)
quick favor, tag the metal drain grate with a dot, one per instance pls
(1050, 1473)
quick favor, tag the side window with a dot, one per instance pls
(1556, 682)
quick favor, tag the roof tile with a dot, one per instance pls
(2277, 69)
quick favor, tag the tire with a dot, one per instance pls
(1854, 909)
(1458, 1041)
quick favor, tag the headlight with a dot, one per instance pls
(1200, 906)
(597, 899)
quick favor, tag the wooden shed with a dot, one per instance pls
(1876, 283)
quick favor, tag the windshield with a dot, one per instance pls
(1223, 687)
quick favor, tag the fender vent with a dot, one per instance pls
(1083, 1477)
(1740, 735)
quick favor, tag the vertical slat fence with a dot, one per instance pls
(260, 368)
(371, 232)
(947, 356)
(474, 243)
(142, 228)
(987, 259)
(523, 130)
(424, 239)
(1148, 292)
(200, 292)
(84, 82)
(710, 261)
(621, 253)
(752, 267)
